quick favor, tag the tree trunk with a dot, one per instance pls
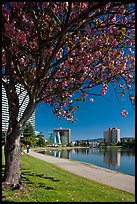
(12, 150)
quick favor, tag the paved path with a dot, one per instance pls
(112, 178)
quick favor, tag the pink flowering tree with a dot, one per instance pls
(57, 49)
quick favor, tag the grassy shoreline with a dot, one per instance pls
(48, 183)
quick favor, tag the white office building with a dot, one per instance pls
(5, 110)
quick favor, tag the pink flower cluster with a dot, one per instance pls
(124, 113)
(91, 99)
(96, 50)
(21, 36)
(104, 89)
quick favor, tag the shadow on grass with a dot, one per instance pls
(29, 173)
(25, 178)
(7, 201)
(3, 167)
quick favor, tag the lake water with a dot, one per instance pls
(110, 158)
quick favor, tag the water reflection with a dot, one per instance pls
(115, 159)
(57, 153)
(128, 153)
(112, 158)
(83, 150)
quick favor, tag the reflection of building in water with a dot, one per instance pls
(112, 135)
(118, 158)
(112, 158)
(59, 153)
(65, 154)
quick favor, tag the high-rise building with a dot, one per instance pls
(61, 135)
(22, 100)
(115, 132)
(112, 135)
(107, 137)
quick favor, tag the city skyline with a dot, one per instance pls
(93, 118)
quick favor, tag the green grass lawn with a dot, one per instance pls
(47, 183)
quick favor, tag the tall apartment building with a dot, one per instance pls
(107, 137)
(115, 135)
(112, 135)
(5, 110)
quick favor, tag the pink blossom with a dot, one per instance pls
(114, 19)
(13, 4)
(6, 25)
(124, 113)
(129, 49)
(89, 62)
(130, 76)
(65, 83)
(69, 118)
(57, 55)
(104, 89)
(22, 60)
(132, 60)
(70, 101)
(115, 43)
(121, 86)
(129, 86)
(107, 5)
(132, 98)
(91, 99)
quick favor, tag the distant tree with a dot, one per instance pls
(28, 135)
(40, 140)
(101, 144)
(29, 130)
(119, 143)
(48, 142)
(107, 143)
(132, 144)
(88, 144)
(112, 144)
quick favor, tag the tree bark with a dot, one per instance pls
(12, 150)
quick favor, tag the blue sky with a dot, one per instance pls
(93, 118)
